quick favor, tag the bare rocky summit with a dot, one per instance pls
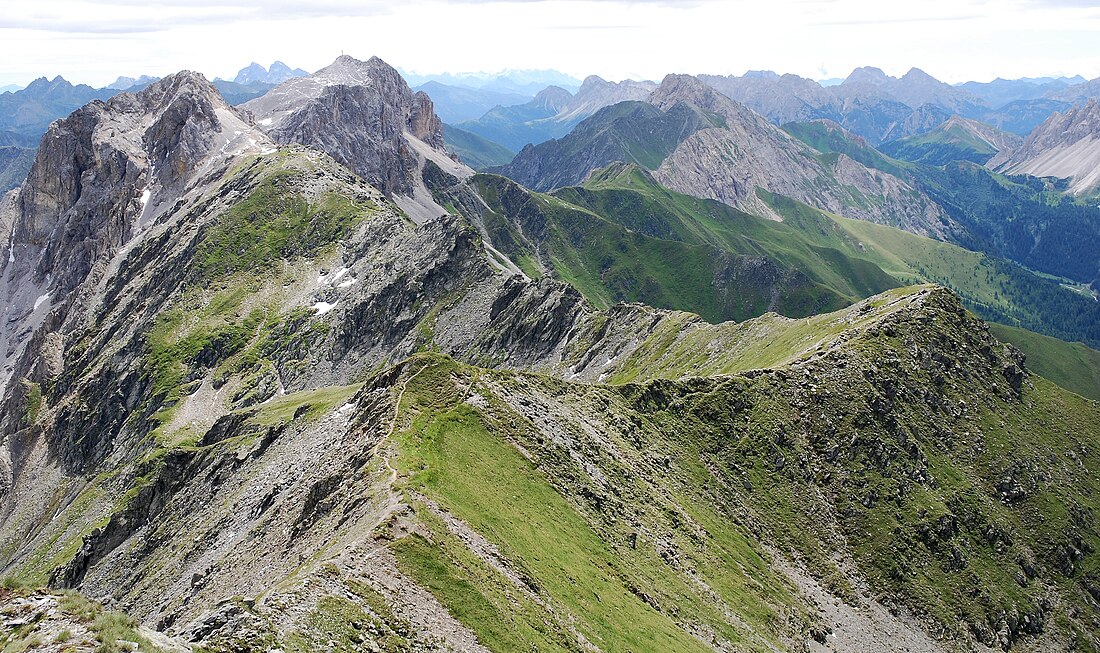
(365, 116)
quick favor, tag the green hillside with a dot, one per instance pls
(624, 237)
(1022, 219)
(610, 261)
(475, 151)
(942, 146)
(996, 289)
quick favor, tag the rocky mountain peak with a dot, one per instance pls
(918, 75)
(279, 72)
(253, 72)
(686, 88)
(868, 75)
(592, 81)
(44, 86)
(346, 70)
(596, 93)
(100, 173)
(364, 115)
(349, 70)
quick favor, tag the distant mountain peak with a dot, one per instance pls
(591, 81)
(916, 74)
(554, 98)
(255, 73)
(868, 75)
(123, 82)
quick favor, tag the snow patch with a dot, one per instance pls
(346, 283)
(266, 122)
(332, 277)
(145, 195)
(41, 298)
(323, 307)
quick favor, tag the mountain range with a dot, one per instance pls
(553, 112)
(290, 375)
(255, 73)
(523, 82)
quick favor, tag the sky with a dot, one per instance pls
(94, 41)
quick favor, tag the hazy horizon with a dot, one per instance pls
(961, 40)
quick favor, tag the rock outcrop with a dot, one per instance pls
(596, 93)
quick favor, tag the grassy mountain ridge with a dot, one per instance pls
(630, 196)
(940, 147)
(929, 517)
(609, 263)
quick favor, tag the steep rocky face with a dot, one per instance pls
(632, 132)
(781, 99)
(365, 116)
(1067, 145)
(729, 163)
(374, 294)
(100, 176)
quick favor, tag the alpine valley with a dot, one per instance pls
(699, 364)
